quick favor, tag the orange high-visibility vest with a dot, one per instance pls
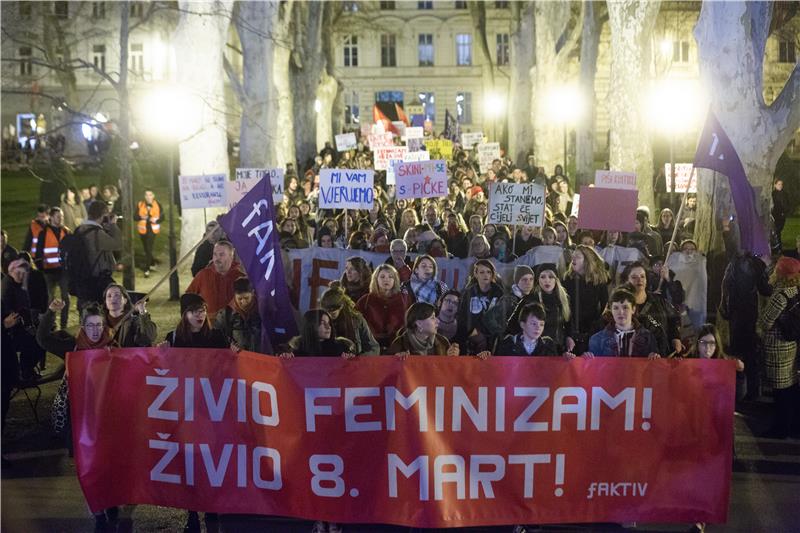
(52, 245)
(151, 212)
(36, 230)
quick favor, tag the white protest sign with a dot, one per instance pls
(346, 141)
(611, 179)
(421, 179)
(422, 155)
(488, 152)
(199, 192)
(380, 139)
(516, 203)
(414, 133)
(247, 178)
(576, 204)
(470, 139)
(414, 145)
(681, 177)
(342, 188)
(390, 178)
(400, 126)
(383, 154)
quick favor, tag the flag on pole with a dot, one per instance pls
(715, 151)
(380, 116)
(252, 229)
(401, 115)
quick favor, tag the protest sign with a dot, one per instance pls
(414, 145)
(576, 205)
(342, 188)
(440, 148)
(611, 179)
(200, 192)
(516, 203)
(390, 179)
(384, 154)
(468, 140)
(422, 155)
(346, 141)
(421, 179)
(608, 209)
(414, 133)
(251, 227)
(682, 171)
(434, 442)
(247, 178)
(488, 152)
(380, 139)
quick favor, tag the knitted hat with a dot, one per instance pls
(546, 266)
(242, 285)
(521, 270)
(786, 267)
(191, 301)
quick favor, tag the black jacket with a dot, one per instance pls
(512, 345)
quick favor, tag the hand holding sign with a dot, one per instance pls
(421, 179)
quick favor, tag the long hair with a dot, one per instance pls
(594, 268)
(373, 284)
(125, 296)
(563, 297)
(309, 337)
(336, 298)
(183, 333)
(708, 329)
(364, 274)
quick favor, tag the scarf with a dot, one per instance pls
(82, 341)
(424, 291)
(420, 347)
(245, 313)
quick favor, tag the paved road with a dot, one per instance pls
(40, 491)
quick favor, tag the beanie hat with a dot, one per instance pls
(521, 270)
(546, 266)
(786, 267)
(242, 285)
(191, 301)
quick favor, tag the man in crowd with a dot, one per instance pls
(215, 282)
(54, 274)
(148, 225)
(102, 237)
(34, 232)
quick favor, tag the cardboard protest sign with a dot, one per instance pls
(341, 188)
(611, 179)
(346, 141)
(384, 154)
(488, 152)
(380, 139)
(608, 209)
(428, 442)
(440, 148)
(422, 179)
(576, 205)
(682, 171)
(200, 192)
(247, 178)
(422, 155)
(516, 203)
(414, 133)
(468, 140)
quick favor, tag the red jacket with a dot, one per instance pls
(215, 288)
(385, 316)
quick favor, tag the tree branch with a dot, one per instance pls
(235, 81)
(563, 53)
(785, 110)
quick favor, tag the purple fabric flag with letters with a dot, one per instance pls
(715, 151)
(252, 229)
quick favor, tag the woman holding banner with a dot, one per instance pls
(347, 321)
(481, 293)
(420, 336)
(384, 307)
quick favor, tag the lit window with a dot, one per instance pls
(136, 59)
(428, 106)
(351, 51)
(425, 4)
(464, 49)
(425, 49)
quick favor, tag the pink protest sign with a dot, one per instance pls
(608, 209)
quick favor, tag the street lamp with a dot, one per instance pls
(564, 105)
(676, 106)
(168, 113)
(493, 107)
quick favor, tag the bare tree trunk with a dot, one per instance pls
(125, 171)
(520, 124)
(632, 24)
(326, 94)
(731, 39)
(285, 145)
(331, 13)
(306, 70)
(477, 11)
(199, 41)
(585, 129)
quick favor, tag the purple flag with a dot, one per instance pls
(715, 151)
(252, 229)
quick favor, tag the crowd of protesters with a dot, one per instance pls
(610, 293)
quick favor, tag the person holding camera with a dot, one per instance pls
(102, 237)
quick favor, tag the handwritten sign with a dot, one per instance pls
(608, 209)
(516, 203)
(422, 155)
(468, 140)
(385, 153)
(341, 188)
(380, 139)
(681, 177)
(576, 205)
(440, 148)
(346, 141)
(421, 179)
(247, 178)
(488, 152)
(414, 145)
(200, 192)
(414, 133)
(611, 179)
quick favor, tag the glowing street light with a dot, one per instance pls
(563, 105)
(665, 46)
(493, 105)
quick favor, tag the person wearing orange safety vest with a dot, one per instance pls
(34, 231)
(148, 216)
(54, 274)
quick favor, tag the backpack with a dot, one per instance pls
(76, 262)
(788, 322)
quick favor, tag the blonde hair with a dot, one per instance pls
(373, 284)
(563, 297)
(594, 267)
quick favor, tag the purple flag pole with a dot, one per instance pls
(715, 151)
(252, 229)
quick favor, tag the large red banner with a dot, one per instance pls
(424, 442)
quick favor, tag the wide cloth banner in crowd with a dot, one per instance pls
(421, 442)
